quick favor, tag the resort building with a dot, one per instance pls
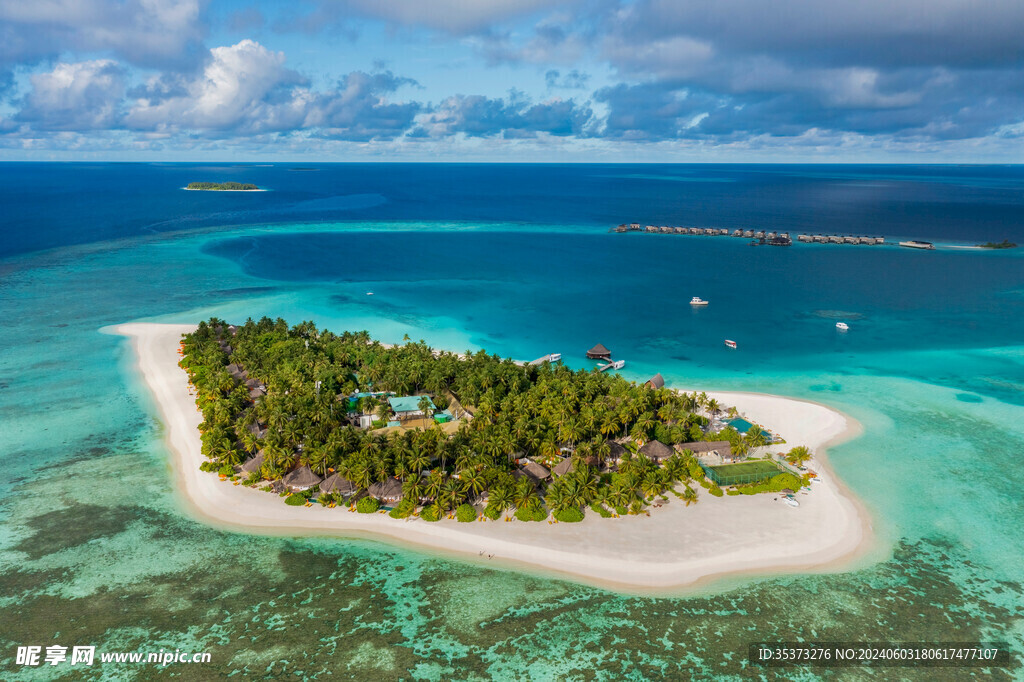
(301, 479)
(337, 484)
(535, 471)
(408, 407)
(599, 352)
(656, 382)
(253, 464)
(656, 451)
(389, 490)
(718, 450)
(564, 467)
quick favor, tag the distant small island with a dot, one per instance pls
(222, 186)
(1005, 244)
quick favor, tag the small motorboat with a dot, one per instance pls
(730, 343)
(369, 293)
(790, 501)
(697, 300)
(842, 326)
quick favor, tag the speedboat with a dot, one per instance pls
(697, 300)
(618, 364)
(842, 326)
(730, 344)
(369, 293)
(790, 501)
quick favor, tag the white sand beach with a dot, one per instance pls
(674, 548)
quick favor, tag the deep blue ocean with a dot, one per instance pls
(517, 259)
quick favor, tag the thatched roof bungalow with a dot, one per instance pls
(253, 464)
(599, 352)
(338, 484)
(389, 490)
(564, 467)
(656, 450)
(657, 381)
(536, 471)
(721, 447)
(615, 450)
(301, 479)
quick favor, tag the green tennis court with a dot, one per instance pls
(744, 472)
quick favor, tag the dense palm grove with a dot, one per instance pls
(542, 412)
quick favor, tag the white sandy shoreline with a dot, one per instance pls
(675, 547)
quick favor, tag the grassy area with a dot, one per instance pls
(744, 472)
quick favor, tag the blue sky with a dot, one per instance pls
(924, 81)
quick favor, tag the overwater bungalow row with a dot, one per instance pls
(837, 239)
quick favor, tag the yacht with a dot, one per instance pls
(917, 244)
(730, 344)
(842, 326)
(697, 300)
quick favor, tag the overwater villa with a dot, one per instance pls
(599, 352)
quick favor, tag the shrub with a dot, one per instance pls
(405, 508)
(599, 508)
(531, 514)
(732, 491)
(326, 499)
(465, 513)
(715, 490)
(208, 466)
(367, 505)
(253, 478)
(492, 512)
(431, 513)
(295, 500)
(570, 515)
(226, 470)
(621, 511)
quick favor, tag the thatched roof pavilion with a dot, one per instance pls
(656, 450)
(302, 478)
(257, 429)
(389, 490)
(615, 450)
(536, 471)
(657, 381)
(336, 483)
(566, 466)
(599, 352)
(722, 447)
(253, 464)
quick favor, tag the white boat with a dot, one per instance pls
(917, 244)
(618, 364)
(790, 501)
(554, 357)
(369, 293)
(730, 344)
(697, 300)
(842, 326)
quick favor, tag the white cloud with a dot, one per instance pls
(145, 32)
(79, 96)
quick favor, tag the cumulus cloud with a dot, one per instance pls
(153, 33)
(246, 89)
(80, 96)
(515, 117)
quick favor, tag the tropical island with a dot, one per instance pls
(313, 415)
(1005, 244)
(222, 186)
(667, 543)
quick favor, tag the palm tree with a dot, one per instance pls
(475, 480)
(798, 455)
(689, 495)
